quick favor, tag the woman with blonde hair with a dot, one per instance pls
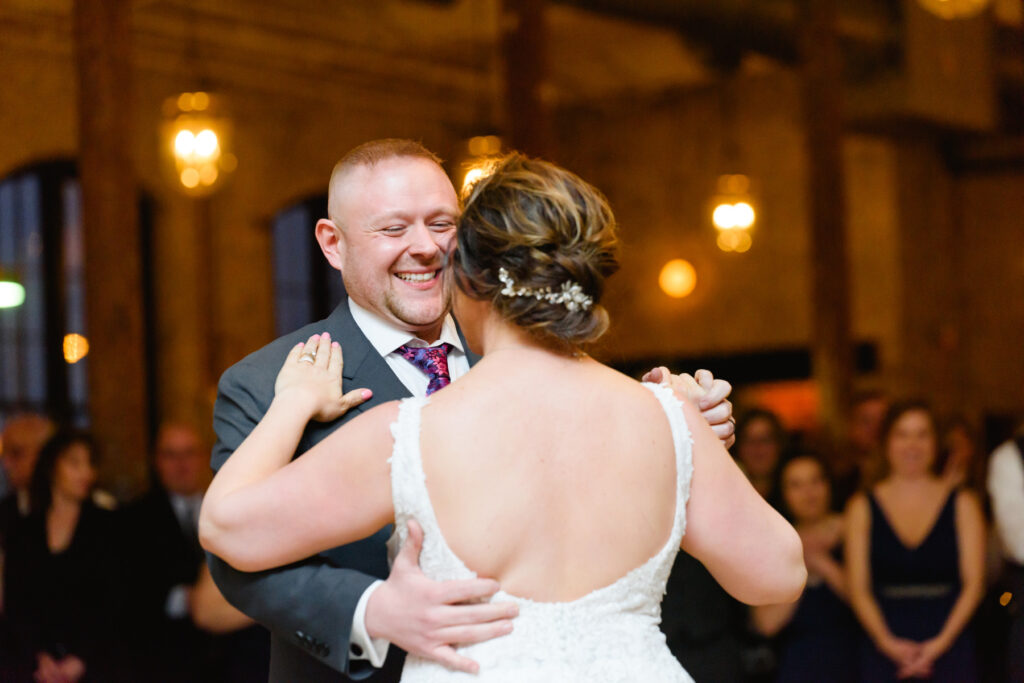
(571, 484)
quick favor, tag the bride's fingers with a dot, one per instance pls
(656, 375)
(336, 362)
(323, 351)
(353, 398)
(453, 660)
(293, 355)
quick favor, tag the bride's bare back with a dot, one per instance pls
(553, 475)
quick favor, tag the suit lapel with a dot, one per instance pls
(363, 367)
(471, 357)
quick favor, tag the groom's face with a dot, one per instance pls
(396, 221)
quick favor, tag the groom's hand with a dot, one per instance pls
(710, 395)
(427, 618)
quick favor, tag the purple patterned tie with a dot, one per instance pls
(432, 361)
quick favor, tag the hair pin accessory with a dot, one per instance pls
(570, 294)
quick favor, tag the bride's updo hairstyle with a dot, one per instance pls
(549, 230)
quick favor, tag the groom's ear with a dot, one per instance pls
(332, 242)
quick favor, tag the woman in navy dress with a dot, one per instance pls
(817, 635)
(915, 557)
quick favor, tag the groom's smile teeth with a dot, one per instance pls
(417, 277)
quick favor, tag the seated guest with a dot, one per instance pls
(915, 559)
(167, 561)
(817, 634)
(1006, 488)
(60, 573)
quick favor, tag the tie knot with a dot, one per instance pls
(432, 361)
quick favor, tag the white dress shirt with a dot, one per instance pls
(386, 338)
(1006, 487)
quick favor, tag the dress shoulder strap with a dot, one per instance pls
(408, 487)
(682, 441)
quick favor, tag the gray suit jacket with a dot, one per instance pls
(308, 606)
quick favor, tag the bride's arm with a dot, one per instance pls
(750, 549)
(262, 511)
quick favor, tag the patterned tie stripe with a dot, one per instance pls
(432, 361)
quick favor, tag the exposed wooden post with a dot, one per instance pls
(832, 353)
(525, 62)
(117, 378)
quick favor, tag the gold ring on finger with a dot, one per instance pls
(307, 357)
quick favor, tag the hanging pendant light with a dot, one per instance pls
(195, 136)
(955, 9)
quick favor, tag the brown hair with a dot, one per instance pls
(892, 416)
(546, 227)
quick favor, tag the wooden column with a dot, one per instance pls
(117, 379)
(832, 354)
(525, 63)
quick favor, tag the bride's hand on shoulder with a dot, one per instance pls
(311, 379)
(710, 395)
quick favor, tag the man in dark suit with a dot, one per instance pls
(23, 437)
(163, 526)
(392, 214)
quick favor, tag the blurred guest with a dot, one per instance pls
(167, 556)
(23, 436)
(704, 626)
(167, 561)
(760, 439)
(240, 648)
(817, 634)
(915, 558)
(1006, 488)
(962, 464)
(850, 464)
(61, 570)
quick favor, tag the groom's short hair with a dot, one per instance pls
(372, 153)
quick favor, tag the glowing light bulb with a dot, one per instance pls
(743, 215)
(184, 143)
(724, 217)
(206, 143)
(678, 278)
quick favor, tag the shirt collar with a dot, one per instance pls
(385, 337)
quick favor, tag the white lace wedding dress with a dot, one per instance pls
(610, 634)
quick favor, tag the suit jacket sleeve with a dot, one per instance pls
(309, 603)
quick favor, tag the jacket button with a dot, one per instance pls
(356, 650)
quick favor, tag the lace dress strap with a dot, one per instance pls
(682, 441)
(409, 493)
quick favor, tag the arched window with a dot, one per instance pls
(41, 243)
(306, 288)
(42, 367)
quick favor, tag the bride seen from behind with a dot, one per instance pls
(563, 479)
